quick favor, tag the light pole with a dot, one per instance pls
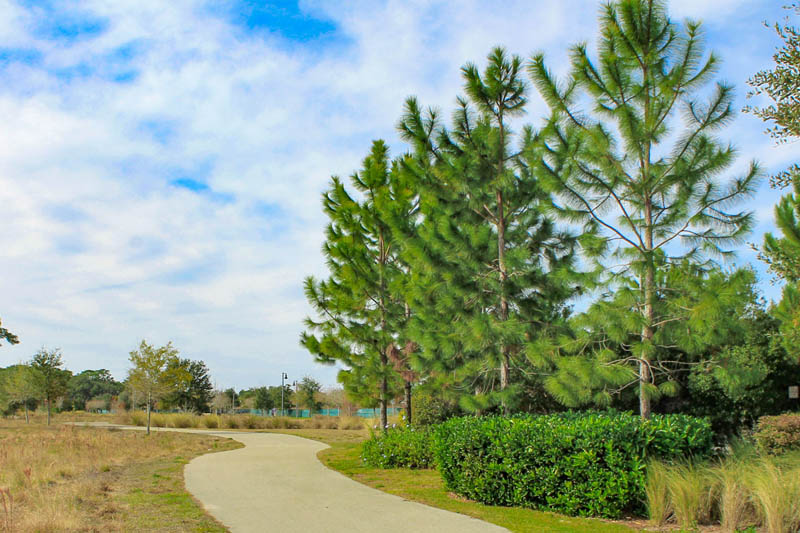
(296, 410)
(283, 376)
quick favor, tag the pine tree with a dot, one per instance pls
(361, 316)
(782, 84)
(488, 268)
(6, 335)
(637, 175)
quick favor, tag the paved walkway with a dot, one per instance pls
(276, 483)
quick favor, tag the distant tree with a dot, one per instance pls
(232, 398)
(275, 394)
(221, 402)
(49, 378)
(19, 387)
(7, 335)
(263, 399)
(196, 393)
(308, 394)
(629, 152)
(91, 384)
(154, 373)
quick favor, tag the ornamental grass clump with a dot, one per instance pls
(776, 494)
(691, 491)
(657, 494)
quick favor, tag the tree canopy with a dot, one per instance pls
(643, 184)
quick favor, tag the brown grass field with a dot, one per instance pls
(63, 478)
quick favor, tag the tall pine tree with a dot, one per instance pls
(781, 85)
(361, 318)
(640, 178)
(489, 270)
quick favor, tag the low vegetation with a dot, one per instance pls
(63, 478)
(778, 434)
(426, 486)
(584, 464)
(404, 447)
(243, 421)
(745, 489)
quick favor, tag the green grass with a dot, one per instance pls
(426, 486)
(152, 497)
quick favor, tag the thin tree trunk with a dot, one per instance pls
(501, 260)
(148, 413)
(384, 393)
(501, 255)
(27, 420)
(48, 411)
(384, 357)
(408, 403)
(645, 376)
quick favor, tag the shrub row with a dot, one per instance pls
(401, 447)
(589, 464)
(778, 434)
(187, 420)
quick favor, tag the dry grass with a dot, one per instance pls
(185, 420)
(741, 491)
(64, 478)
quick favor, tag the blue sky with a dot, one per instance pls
(162, 162)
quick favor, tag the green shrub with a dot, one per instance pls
(589, 464)
(427, 410)
(399, 447)
(778, 434)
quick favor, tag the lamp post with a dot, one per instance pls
(283, 376)
(296, 410)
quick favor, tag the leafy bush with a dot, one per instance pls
(590, 464)
(399, 447)
(778, 434)
(427, 409)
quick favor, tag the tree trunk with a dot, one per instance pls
(48, 411)
(645, 375)
(27, 420)
(501, 262)
(148, 413)
(384, 394)
(408, 403)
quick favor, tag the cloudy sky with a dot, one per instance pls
(161, 163)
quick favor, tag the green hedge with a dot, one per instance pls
(778, 434)
(399, 447)
(588, 464)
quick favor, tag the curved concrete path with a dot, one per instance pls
(276, 483)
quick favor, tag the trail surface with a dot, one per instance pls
(276, 483)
